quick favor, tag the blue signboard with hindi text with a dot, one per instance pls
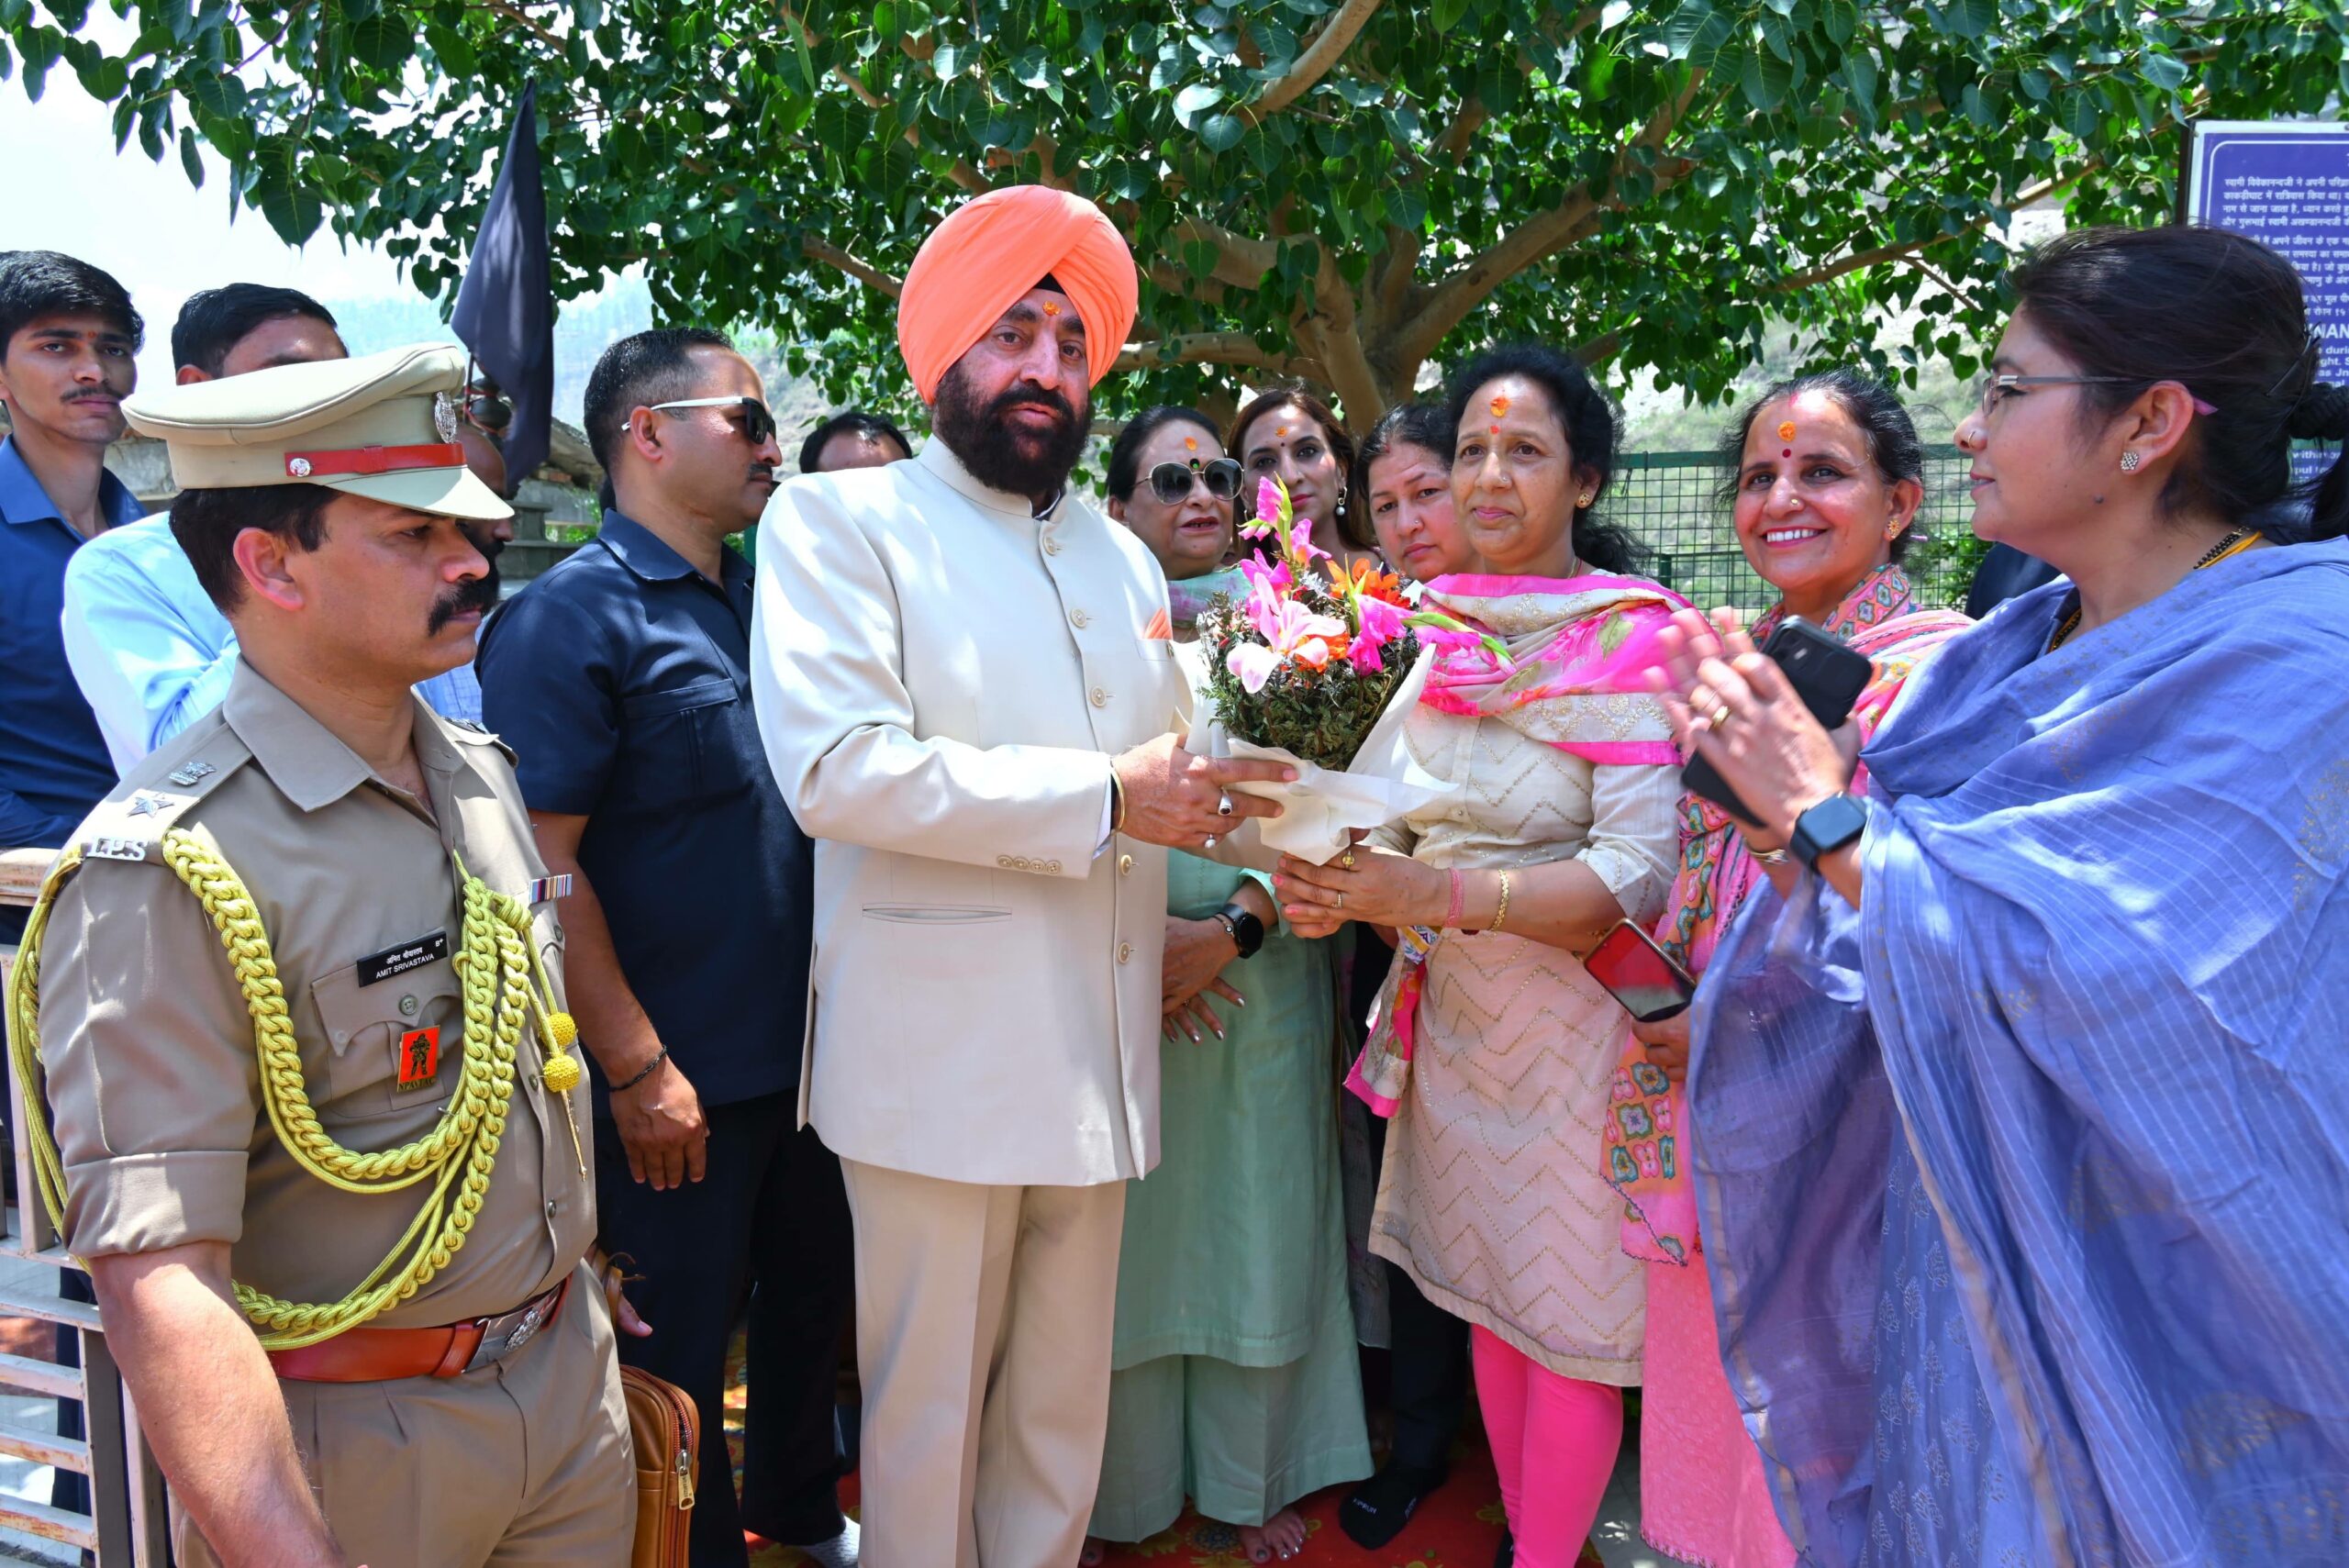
(2284, 182)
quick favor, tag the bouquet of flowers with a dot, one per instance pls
(1315, 667)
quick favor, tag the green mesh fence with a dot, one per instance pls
(1666, 499)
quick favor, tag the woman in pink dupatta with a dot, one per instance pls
(1494, 1048)
(1827, 477)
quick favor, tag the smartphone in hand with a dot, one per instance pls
(1640, 974)
(1826, 676)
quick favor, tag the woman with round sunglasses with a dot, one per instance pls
(1290, 435)
(1234, 1378)
(2022, 1116)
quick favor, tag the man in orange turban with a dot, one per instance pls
(964, 685)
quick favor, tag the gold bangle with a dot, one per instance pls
(1117, 801)
(1500, 914)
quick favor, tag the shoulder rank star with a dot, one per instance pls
(146, 805)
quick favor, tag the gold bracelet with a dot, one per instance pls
(1501, 913)
(1117, 801)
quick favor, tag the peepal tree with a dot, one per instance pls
(1343, 192)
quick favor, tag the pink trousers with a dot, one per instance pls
(1554, 1441)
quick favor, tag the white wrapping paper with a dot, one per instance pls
(1320, 808)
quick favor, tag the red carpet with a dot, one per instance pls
(1460, 1527)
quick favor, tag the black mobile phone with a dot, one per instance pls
(1826, 676)
(1640, 974)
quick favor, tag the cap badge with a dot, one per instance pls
(444, 415)
(299, 467)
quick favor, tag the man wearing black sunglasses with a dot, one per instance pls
(621, 679)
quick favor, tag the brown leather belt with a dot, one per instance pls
(382, 1355)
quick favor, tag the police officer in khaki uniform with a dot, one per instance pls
(297, 1012)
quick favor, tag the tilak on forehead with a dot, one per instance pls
(993, 250)
(1786, 433)
(1499, 406)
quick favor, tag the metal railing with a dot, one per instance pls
(1666, 499)
(126, 1526)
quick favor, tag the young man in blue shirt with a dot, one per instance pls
(68, 335)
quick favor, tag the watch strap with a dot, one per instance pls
(1247, 931)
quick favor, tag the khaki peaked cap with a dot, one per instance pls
(382, 426)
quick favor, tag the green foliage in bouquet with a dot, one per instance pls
(1321, 714)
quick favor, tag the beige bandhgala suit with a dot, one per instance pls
(941, 679)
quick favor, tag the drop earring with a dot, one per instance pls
(2128, 462)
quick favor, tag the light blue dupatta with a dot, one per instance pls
(2098, 992)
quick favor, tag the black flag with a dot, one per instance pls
(505, 308)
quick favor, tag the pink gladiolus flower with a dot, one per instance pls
(1253, 664)
(1366, 657)
(1269, 501)
(1301, 544)
(1382, 623)
(1275, 577)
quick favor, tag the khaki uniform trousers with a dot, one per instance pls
(984, 1316)
(523, 1465)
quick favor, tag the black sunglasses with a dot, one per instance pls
(1169, 481)
(757, 423)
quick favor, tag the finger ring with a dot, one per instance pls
(1223, 803)
(1720, 717)
(1209, 842)
(1342, 901)
(1347, 860)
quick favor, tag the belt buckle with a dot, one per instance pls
(520, 1328)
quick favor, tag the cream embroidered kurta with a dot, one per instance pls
(1489, 1198)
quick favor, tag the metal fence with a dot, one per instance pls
(1666, 499)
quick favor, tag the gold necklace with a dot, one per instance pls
(2235, 543)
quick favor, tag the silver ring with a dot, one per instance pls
(1209, 842)
(1223, 803)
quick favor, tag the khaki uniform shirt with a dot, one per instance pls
(152, 1075)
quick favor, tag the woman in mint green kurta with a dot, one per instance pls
(1235, 1379)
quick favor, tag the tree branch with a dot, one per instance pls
(863, 271)
(1454, 142)
(1860, 260)
(1336, 36)
(1535, 240)
(1202, 348)
(1240, 261)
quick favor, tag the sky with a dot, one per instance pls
(68, 190)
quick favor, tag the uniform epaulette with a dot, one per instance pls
(128, 825)
(472, 734)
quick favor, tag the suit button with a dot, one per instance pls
(1100, 698)
(1125, 951)
(1079, 619)
(1125, 865)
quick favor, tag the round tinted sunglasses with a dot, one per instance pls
(1171, 482)
(757, 423)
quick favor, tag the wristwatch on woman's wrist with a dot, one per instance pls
(1831, 824)
(1246, 930)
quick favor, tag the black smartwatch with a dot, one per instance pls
(1831, 824)
(1247, 931)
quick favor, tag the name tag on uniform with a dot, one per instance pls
(419, 1058)
(402, 957)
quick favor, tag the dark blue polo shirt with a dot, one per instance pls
(53, 761)
(622, 681)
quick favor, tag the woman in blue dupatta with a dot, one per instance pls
(2021, 1107)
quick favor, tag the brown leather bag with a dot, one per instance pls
(666, 1430)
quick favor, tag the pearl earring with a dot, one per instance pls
(2128, 462)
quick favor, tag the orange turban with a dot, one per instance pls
(990, 251)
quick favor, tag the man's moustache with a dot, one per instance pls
(481, 593)
(999, 411)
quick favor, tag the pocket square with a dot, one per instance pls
(1160, 627)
